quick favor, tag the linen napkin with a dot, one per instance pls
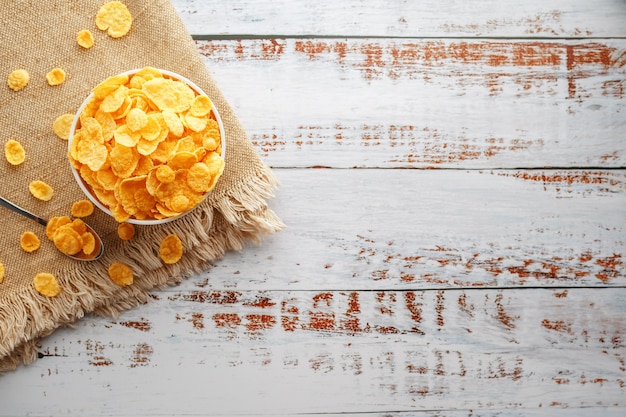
(38, 36)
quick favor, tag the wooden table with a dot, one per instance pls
(454, 186)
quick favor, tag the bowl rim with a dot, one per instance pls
(93, 198)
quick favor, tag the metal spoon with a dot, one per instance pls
(80, 256)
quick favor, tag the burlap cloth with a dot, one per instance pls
(38, 36)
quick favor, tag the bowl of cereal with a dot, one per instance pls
(147, 146)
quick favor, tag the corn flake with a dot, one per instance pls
(62, 125)
(89, 243)
(18, 79)
(41, 190)
(115, 18)
(171, 249)
(68, 240)
(2, 272)
(200, 106)
(126, 231)
(84, 38)
(14, 152)
(70, 236)
(168, 94)
(29, 242)
(121, 274)
(56, 76)
(54, 223)
(82, 208)
(46, 284)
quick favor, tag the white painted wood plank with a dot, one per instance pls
(430, 18)
(286, 352)
(427, 103)
(381, 229)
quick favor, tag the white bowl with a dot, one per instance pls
(85, 188)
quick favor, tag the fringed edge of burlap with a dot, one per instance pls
(233, 218)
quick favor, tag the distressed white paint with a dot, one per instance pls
(481, 350)
(454, 18)
(451, 292)
(427, 103)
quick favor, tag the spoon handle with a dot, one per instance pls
(7, 204)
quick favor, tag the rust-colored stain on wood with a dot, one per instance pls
(457, 268)
(142, 354)
(396, 60)
(142, 325)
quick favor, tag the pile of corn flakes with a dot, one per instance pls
(148, 146)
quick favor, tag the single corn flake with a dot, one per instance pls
(121, 274)
(68, 240)
(85, 39)
(136, 119)
(62, 125)
(126, 231)
(108, 86)
(46, 284)
(82, 208)
(199, 177)
(200, 106)
(115, 18)
(29, 242)
(2, 272)
(169, 94)
(171, 249)
(14, 152)
(18, 79)
(56, 76)
(41, 190)
(89, 243)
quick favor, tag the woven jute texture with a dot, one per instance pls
(38, 36)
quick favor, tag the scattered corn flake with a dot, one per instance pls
(46, 284)
(121, 274)
(62, 125)
(85, 39)
(14, 152)
(18, 79)
(82, 208)
(115, 18)
(2, 272)
(29, 242)
(138, 143)
(126, 231)
(56, 76)
(41, 190)
(171, 249)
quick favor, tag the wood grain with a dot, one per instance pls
(430, 18)
(427, 103)
(412, 229)
(278, 353)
